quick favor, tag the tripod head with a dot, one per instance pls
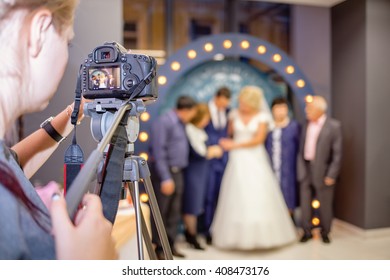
(102, 113)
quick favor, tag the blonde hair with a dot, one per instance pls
(14, 16)
(252, 96)
(202, 111)
(62, 10)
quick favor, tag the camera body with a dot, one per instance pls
(111, 72)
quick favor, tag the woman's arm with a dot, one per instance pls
(257, 139)
(196, 140)
(35, 149)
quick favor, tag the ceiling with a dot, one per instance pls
(323, 3)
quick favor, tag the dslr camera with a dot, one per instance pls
(111, 72)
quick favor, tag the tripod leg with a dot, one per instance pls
(157, 218)
(137, 208)
(147, 238)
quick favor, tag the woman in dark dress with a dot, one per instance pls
(195, 175)
(282, 145)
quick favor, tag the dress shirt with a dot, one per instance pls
(218, 117)
(312, 133)
(277, 152)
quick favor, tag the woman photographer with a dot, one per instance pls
(34, 38)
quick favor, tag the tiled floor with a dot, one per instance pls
(346, 245)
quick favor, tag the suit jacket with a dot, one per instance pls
(214, 135)
(327, 161)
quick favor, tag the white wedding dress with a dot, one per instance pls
(251, 212)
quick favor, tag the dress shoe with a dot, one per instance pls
(191, 239)
(305, 238)
(209, 239)
(325, 238)
(160, 255)
(176, 253)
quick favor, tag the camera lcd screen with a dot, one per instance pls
(104, 78)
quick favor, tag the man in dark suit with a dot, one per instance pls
(216, 129)
(318, 165)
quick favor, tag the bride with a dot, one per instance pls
(251, 212)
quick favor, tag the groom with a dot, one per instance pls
(216, 129)
(319, 165)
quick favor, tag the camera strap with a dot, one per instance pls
(73, 162)
(137, 89)
(77, 101)
(74, 156)
(111, 186)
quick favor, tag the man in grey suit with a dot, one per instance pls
(318, 165)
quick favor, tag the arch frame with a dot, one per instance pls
(233, 45)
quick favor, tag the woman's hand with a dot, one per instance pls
(214, 151)
(89, 238)
(227, 144)
(70, 109)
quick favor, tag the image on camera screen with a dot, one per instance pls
(104, 78)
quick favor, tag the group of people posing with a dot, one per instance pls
(242, 172)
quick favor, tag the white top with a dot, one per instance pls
(245, 132)
(277, 151)
(197, 138)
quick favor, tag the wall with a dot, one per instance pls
(344, 53)
(94, 25)
(310, 46)
(361, 82)
(349, 88)
(378, 114)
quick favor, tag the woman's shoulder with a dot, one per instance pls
(262, 117)
(191, 129)
(194, 132)
(233, 114)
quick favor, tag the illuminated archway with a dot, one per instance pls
(230, 45)
(226, 45)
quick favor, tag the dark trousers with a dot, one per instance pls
(212, 194)
(170, 208)
(324, 195)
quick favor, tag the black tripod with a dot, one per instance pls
(103, 125)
